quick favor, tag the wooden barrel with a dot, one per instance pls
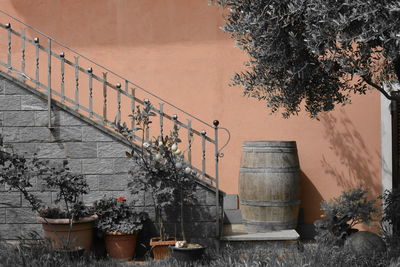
(269, 185)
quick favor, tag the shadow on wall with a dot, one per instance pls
(123, 22)
(354, 154)
(310, 199)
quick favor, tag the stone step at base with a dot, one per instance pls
(281, 235)
(237, 236)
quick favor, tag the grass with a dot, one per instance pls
(310, 255)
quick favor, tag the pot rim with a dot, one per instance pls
(66, 221)
(118, 233)
(183, 249)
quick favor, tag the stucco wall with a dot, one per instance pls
(176, 49)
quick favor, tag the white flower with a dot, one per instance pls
(188, 170)
(178, 165)
(146, 145)
(160, 143)
(180, 244)
(174, 147)
(158, 156)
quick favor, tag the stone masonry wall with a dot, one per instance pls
(90, 150)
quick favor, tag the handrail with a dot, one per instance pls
(108, 70)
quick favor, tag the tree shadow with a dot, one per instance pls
(354, 154)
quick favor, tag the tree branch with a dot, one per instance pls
(380, 89)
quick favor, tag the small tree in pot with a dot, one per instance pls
(67, 226)
(121, 223)
(161, 170)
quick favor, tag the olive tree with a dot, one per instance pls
(314, 53)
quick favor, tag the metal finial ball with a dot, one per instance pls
(203, 132)
(216, 123)
(8, 25)
(62, 55)
(146, 101)
(175, 117)
(90, 70)
(36, 40)
(118, 85)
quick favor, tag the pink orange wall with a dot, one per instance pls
(176, 49)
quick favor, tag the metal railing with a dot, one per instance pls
(102, 95)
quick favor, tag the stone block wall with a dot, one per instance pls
(91, 150)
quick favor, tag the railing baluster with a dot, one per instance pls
(133, 110)
(203, 151)
(162, 119)
(147, 131)
(8, 27)
(49, 80)
(23, 33)
(90, 73)
(216, 123)
(76, 83)
(118, 102)
(105, 98)
(37, 77)
(62, 56)
(190, 136)
(127, 86)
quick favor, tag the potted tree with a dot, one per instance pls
(120, 223)
(68, 226)
(161, 170)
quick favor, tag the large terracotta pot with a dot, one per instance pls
(120, 245)
(58, 230)
(160, 248)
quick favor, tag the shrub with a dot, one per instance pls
(160, 168)
(341, 214)
(115, 215)
(390, 223)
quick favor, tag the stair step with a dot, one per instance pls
(232, 217)
(281, 235)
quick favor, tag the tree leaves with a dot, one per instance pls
(302, 52)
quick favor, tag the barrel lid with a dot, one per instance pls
(269, 144)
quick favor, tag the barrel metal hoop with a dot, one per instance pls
(269, 203)
(287, 144)
(269, 170)
(269, 150)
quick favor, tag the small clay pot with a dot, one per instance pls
(160, 248)
(120, 246)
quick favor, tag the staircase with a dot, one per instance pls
(69, 80)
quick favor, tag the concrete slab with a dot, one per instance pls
(282, 235)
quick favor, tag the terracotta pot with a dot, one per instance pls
(57, 230)
(159, 248)
(120, 245)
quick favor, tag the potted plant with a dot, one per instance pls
(69, 226)
(161, 170)
(120, 223)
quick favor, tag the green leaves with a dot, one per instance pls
(341, 214)
(313, 53)
(118, 216)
